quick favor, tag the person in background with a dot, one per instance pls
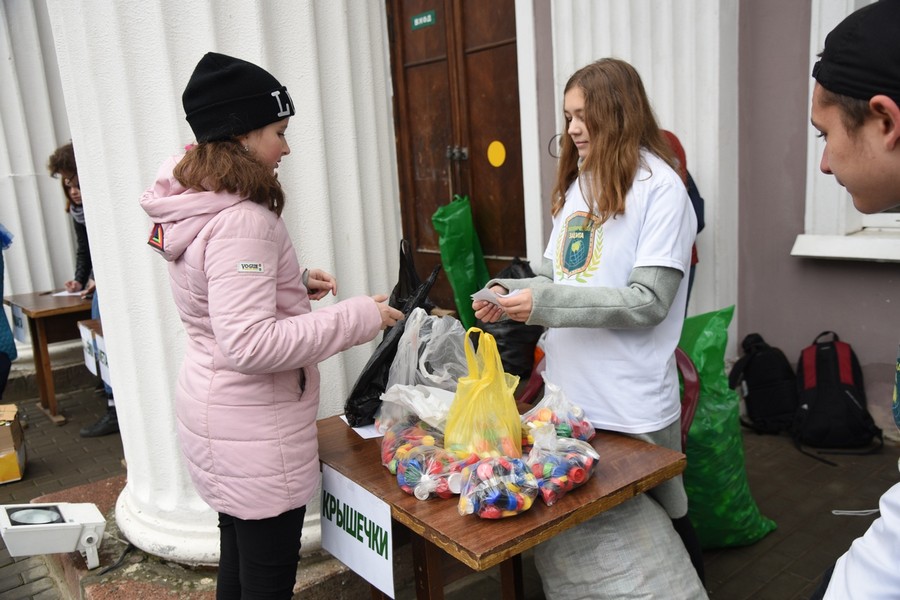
(62, 164)
(248, 390)
(612, 291)
(696, 201)
(856, 109)
(8, 351)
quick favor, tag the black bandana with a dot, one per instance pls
(861, 57)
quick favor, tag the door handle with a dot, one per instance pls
(457, 153)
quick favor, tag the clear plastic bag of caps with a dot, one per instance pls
(430, 472)
(405, 435)
(559, 464)
(497, 487)
(555, 408)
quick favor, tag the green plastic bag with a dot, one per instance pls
(461, 254)
(721, 508)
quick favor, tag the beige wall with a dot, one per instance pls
(790, 300)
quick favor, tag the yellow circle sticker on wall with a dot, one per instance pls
(496, 153)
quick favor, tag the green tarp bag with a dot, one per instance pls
(461, 254)
(721, 508)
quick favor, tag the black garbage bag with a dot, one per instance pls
(409, 293)
(516, 341)
(408, 282)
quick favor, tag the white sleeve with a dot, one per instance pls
(870, 569)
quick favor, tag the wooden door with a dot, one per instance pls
(456, 101)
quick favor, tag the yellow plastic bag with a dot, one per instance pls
(483, 419)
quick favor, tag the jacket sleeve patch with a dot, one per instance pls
(156, 237)
(250, 267)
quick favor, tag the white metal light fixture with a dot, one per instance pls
(29, 529)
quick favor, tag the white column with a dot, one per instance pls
(123, 66)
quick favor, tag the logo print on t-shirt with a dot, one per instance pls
(580, 246)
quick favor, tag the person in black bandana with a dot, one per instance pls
(854, 105)
(856, 108)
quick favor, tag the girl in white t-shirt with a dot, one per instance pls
(612, 291)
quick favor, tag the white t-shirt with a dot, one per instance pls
(870, 569)
(625, 379)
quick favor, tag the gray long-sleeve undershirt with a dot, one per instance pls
(644, 303)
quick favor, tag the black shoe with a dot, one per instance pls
(108, 424)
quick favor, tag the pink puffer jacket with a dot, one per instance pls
(248, 391)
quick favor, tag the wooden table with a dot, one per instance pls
(627, 467)
(50, 319)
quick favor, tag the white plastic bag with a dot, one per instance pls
(431, 352)
(429, 404)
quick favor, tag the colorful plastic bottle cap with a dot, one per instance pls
(485, 471)
(577, 474)
(491, 512)
(454, 482)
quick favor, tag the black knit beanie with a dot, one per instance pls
(227, 97)
(861, 57)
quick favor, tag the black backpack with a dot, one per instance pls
(832, 412)
(768, 385)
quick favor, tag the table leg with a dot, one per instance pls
(427, 565)
(43, 372)
(429, 560)
(511, 585)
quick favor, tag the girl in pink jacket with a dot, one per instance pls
(248, 391)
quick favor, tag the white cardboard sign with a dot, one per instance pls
(101, 359)
(18, 318)
(87, 345)
(356, 529)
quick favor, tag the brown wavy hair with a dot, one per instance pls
(619, 121)
(62, 162)
(224, 166)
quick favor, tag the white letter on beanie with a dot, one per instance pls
(282, 111)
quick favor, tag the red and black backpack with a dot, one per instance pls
(832, 412)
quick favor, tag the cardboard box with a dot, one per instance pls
(87, 345)
(12, 444)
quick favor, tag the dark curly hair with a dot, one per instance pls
(62, 162)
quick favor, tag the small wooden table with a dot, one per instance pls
(50, 319)
(627, 467)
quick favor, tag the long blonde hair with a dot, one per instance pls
(619, 122)
(225, 166)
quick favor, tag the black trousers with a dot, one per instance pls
(258, 558)
(5, 365)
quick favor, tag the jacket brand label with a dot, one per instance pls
(250, 267)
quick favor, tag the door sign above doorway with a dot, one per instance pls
(424, 19)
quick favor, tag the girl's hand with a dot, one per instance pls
(518, 306)
(73, 286)
(389, 314)
(486, 311)
(89, 288)
(319, 283)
